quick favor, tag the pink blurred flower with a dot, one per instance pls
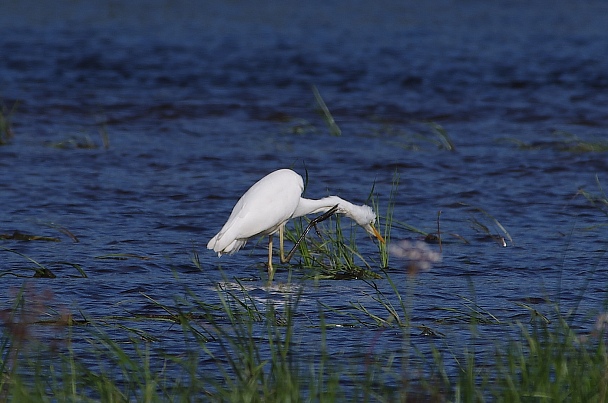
(419, 255)
(601, 324)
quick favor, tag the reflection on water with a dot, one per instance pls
(195, 102)
(257, 297)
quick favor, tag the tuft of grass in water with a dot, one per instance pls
(430, 133)
(63, 230)
(442, 139)
(472, 313)
(597, 200)
(84, 141)
(21, 236)
(196, 261)
(301, 127)
(488, 225)
(395, 314)
(122, 256)
(39, 270)
(334, 254)
(564, 141)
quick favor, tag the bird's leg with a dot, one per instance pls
(270, 268)
(313, 223)
(281, 238)
(286, 259)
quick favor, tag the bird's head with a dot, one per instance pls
(362, 215)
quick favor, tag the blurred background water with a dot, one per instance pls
(137, 125)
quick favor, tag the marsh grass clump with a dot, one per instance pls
(333, 254)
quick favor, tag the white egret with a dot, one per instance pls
(272, 201)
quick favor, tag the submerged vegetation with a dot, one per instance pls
(84, 141)
(420, 137)
(562, 141)
(38, 269)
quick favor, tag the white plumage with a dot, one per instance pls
(272, 201)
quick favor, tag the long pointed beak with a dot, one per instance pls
(377, 234)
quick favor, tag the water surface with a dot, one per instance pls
(200, 101)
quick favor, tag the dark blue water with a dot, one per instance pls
(199, 101)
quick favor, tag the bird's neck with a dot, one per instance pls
(314, 206)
